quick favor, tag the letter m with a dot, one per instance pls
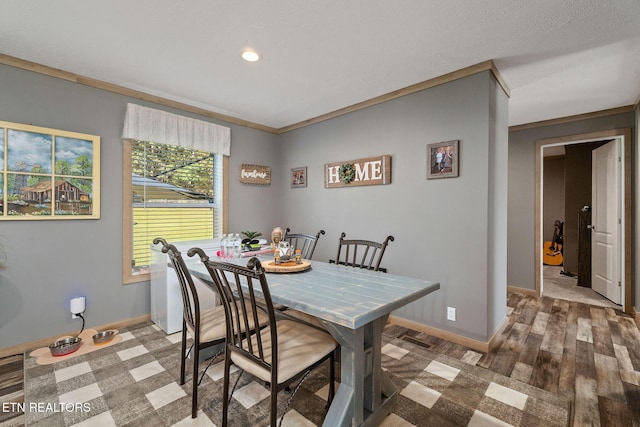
(362, 172)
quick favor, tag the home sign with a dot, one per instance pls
(353, 173)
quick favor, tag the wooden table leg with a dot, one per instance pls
(365, 394)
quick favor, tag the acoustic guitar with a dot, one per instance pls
(552, 251)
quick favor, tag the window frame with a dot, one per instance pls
(127, 213)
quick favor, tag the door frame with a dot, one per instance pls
(624, 134)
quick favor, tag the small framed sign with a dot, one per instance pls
(442, 160)
(255, 174)
(299, 177)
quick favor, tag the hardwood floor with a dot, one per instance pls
(11, 388)
(588, 353)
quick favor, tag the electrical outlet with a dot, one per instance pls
(77, 306)
(451, 314)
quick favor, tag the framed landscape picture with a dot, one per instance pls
(442, 160)
(48, 173)
(299, 177)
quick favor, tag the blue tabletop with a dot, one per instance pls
(347, 296)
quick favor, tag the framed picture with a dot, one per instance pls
(299, 177)
(48, 173)
(442, 160)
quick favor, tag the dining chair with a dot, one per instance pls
(355, 253)
(205, 327)
(307, 245)
(361, 253)
(305, 242)
(280, 353)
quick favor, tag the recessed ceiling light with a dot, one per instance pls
(251, 56)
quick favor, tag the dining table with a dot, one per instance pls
(354, 305)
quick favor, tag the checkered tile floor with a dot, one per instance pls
(135, 383)
(428, 397)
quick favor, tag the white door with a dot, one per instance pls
(605, 220)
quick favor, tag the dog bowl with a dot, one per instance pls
(103, 337)
(65, 346)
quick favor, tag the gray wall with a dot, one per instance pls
(448, 230)
(497, 193)
(522, 174)
(51, 261)
(635, 155)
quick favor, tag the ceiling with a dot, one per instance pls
(557, 58)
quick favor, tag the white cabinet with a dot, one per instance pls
(166, 300)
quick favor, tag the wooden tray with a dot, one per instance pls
(286, 267)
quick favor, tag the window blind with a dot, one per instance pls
(174, 196)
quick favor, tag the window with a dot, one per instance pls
(174, 170)
(175, 193)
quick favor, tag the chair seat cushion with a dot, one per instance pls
(299, 346)
(213, 324)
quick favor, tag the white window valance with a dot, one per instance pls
(148, 124)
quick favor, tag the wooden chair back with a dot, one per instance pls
(361, 253)
(305, 242)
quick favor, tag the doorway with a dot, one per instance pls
(554, 275)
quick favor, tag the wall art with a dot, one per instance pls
(299, 177)
(442, 160)
(354, 173)
(48, 173)
(255, 174)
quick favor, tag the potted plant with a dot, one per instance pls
(251, 241)
(251, 234)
